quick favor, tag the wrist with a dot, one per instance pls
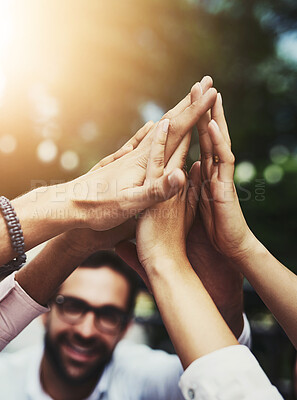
(87, 204)
(53, 203)
(75, 245)
(165, 263)
(243, 248)
(43, 213)
(248, 249)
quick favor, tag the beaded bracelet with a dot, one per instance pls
(16, 236)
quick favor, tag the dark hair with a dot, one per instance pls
(110, 259)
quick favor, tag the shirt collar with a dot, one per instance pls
(103, 384)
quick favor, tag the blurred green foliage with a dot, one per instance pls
(103, 60)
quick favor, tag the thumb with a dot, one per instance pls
(127, 251)
(154, 191)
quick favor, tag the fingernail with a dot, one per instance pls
(220, 97)
(197, 86)
(165, 125)
(213, 122)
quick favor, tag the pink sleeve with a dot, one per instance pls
(17, 310)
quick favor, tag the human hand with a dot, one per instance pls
(218, 275)
(82, 242)
(162, 229)
(219, 206)
(103, 201)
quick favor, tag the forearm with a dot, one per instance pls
(275, 284)
(47, 271)
(193, 322)
(43, 213)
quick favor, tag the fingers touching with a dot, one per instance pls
(159, 185)
(155, 167)
(217, 113)
(222, 149)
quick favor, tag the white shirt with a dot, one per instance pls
(231, 373)
(135, 372)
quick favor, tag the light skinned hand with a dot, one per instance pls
(162, 230)
(106, 197)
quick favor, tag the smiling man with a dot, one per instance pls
(82, 357)
(89, 315)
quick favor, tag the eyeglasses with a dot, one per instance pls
(108, 319)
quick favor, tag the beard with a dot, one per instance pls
(53, 355)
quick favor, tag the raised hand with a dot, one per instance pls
(218, 204)
(125, 195)
(162, 229)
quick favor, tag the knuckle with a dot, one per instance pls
(206, 155)
(232, 158)
(158, 161)
(202, 130)
(153, 190)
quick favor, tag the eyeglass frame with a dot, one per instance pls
(124, 316)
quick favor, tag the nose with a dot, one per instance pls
(86, 328)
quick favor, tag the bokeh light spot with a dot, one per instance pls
(279, 154)
(69, 160)
(287, 46)
(150, 111)
(89, 131)
(273, 173)
(8, 144)
(245, 172)
(46, 107)
(47, 151)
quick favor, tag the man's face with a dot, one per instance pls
(79, 351)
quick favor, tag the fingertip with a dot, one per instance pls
(214, 125)
(195, 167)
(196, 92)
(206, 83)
(176, 179)
(213, 92)
(165, 125)
(149, 124)
(196, 87)
(210, 97)
(208, 79)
